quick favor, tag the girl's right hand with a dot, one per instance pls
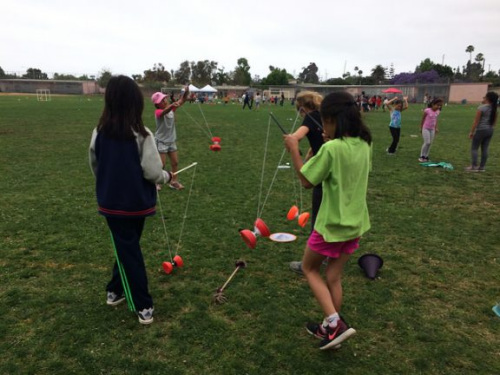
(291, 143)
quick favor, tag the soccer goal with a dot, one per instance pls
(43, 95)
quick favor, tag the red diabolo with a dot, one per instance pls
(250, 237)
(216, 144)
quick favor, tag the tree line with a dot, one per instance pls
(205, 72)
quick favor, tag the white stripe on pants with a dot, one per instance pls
(428, 136)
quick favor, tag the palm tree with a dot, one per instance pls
(480, 60)
(469, 50)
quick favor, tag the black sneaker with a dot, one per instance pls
(315, 329)
(334, 336)
(318, 331)
(145, 316)
(113, 299)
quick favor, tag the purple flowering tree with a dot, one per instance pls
(430, 76)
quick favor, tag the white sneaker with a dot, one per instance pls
(113, 299)
(146, 316)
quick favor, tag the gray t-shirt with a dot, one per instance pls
(165, 127)
(484, 121)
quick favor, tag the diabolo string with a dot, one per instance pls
(167, 240)
(260, 209)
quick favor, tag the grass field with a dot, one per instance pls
(428, 312)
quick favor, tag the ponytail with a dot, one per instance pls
(493, 99)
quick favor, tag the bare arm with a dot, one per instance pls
(405, 103)
(474, 124)
(301, 132)
(184, 97)
(423, 120)
(292, 145)
(169, 108)
(389, 103)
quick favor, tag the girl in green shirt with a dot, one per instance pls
(341, 165)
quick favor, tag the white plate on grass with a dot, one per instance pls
(282, 237)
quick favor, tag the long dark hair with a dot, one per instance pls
(341, 109)
(493, 99)
(123, 107)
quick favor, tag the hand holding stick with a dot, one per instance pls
(183, 169)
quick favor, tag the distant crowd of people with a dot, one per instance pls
(249, 99)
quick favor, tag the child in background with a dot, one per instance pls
(165, 134)
(341, 165)
(125, 162)
(429, 128)
(308, 104)
(482, 131)
(395, 107)
(257, 101)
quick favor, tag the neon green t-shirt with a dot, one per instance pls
(342, 166)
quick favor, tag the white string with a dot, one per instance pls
(275, 172)
(186, 210)
(263, 166)
(300, 194)
(164, 226)
(197, 123)
(297, 177)
(295, 182)
(271, 185)
(206, 123)
(167, 240)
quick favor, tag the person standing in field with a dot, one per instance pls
(126, 164)
(384, 103)
(257, 101)
(395, 107)
(308, 104)
(342, 166)
(482, 131)
(246, 101)
(166, 135)
(429, 127)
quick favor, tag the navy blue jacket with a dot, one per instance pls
(126, 175)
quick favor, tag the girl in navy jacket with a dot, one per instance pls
(126, 164)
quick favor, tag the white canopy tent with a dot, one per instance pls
(208, 88)
(193, 88)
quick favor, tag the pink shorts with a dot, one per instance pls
(317, 243)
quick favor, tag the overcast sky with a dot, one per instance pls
(128, 37)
